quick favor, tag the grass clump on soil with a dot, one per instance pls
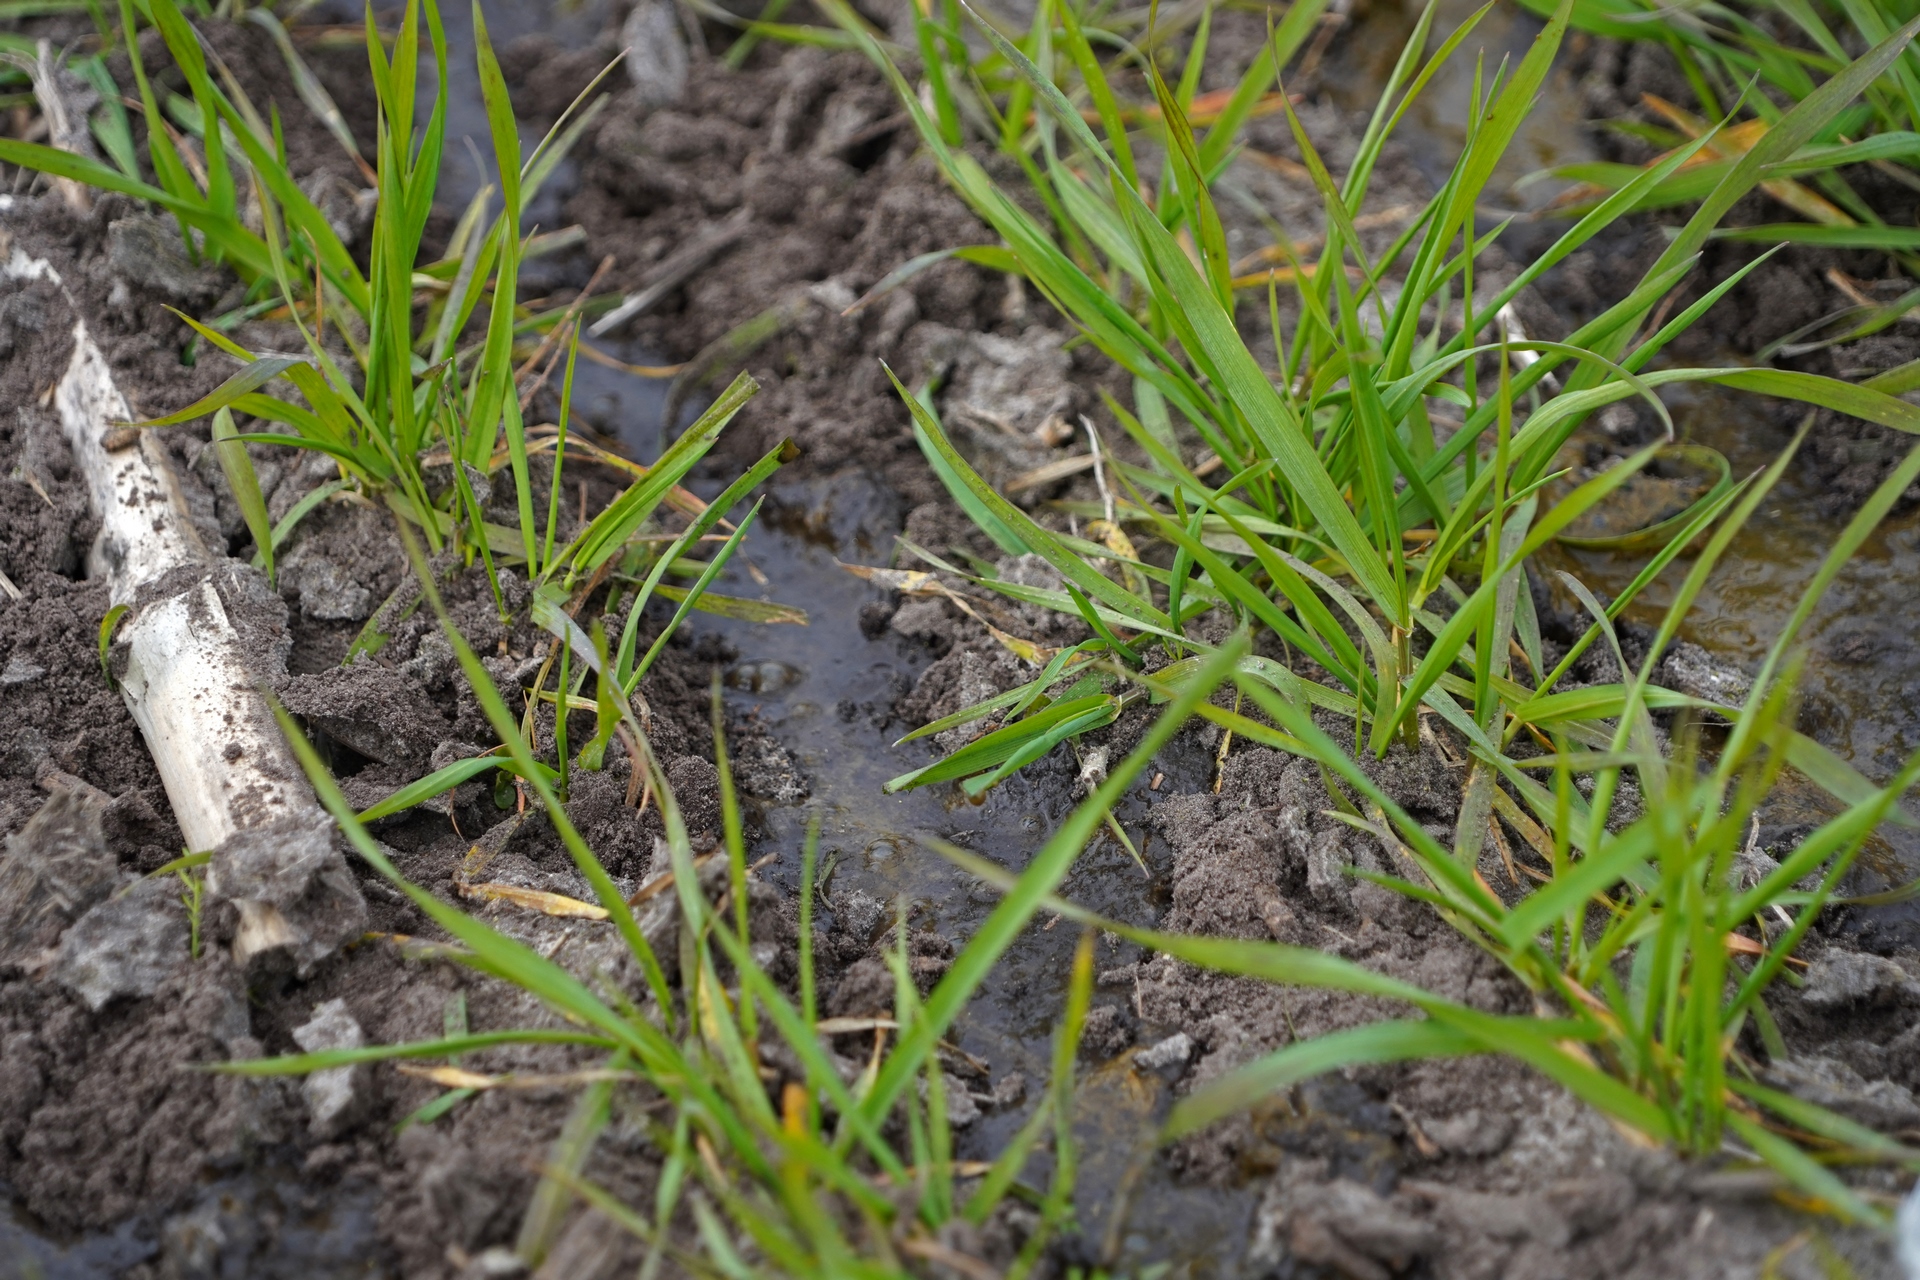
(1755, 62)
(409, 402)
(1342, 496)
(1351, 532)
(226, 182)
(1350, 526)
(1647, 944)
(412, 403)
(827, 1166)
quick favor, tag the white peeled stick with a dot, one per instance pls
(202, 638)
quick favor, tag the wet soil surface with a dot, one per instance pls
(120, 1163)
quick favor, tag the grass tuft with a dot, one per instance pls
(1393, 557)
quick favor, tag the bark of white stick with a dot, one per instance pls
(190, 683)
(187, 684)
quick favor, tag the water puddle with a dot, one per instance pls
(29, 1254)
(1860, 686)
(824, 692)
(270, 1222)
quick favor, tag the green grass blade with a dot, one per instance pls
(105, 638)
(497, 953)
(1394, 1041)
(249, 379)
(1002, 744)
(504, 724)
(1041, 541)
(296, 513)
(1862, 524)
(183, 42)
(1447, 645)
(305, 83)
(775, 458)
(622, 518)
(300, 1064)
(1301, 20)
(693, 594)
(1823, 1123)
(244, 483)
(983, 516)
(494, 379)
(1810, 1176)
(439, 782)
(1007, 1166)
(764, 612)
(1217, 340)
(1792, 131)
(1592, 876)
(110, 125)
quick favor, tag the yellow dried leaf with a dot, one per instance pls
(551, 904)
(911, 581)
(460, 1078)
(844, 1026)
(1113, 538)
(450, 1077)
(1047, 473)
(1026, 650)
(1734, 142)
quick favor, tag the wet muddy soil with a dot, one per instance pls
(119, 1163)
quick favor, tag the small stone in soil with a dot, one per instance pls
(1105, 1033)
(375, 710)
(1846, 977)
(656, 52)
(1009, 1091)
(1171, 1052)
(859, 912)
(1493, 1216)
(1471, 1133)
(1339, 1224)
(147, 251)
(20, 670)
(1327, 862)
(1691, 670)
(125, 946)
(874, 617)
(51, 871)
(763, 768)
(330, 1094)
(1093, 770)
(293, 890)
(865, 990)
(1830, 1083)
(495, 1263)
(962, 1110)
(326, 590)
(192, 1243)
(589, 1249)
